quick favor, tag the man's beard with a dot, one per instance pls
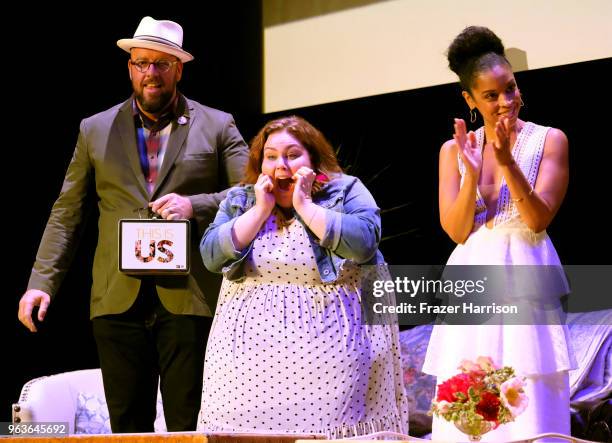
(156, 105)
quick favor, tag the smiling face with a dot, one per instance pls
(283, 155)
(154, 90)
(495, 94)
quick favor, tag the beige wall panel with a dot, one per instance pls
(399, 45)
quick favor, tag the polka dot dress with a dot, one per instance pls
(287, 353)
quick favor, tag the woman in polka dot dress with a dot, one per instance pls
(288, 351)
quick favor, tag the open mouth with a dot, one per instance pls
(284, 183)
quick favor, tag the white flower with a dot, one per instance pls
(468, 366)
(443, 406)
(486, 364)
(513, 396)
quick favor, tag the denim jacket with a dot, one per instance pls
(352, 229)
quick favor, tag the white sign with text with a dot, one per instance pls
(154, 246)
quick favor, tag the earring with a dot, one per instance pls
(473, 116)
(522, 102)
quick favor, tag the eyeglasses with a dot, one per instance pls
(160, 65)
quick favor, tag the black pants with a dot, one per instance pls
(145, 344)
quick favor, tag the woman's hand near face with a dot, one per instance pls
(303, 178)
(248, 224)
(264, 195)
(467, 145)
(313, 215)
(503, 150)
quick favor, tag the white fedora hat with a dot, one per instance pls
(160, 35)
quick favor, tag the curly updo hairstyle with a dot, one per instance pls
(474, 50)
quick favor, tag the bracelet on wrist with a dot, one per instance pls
(520, 199)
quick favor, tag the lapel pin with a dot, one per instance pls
(182, 120)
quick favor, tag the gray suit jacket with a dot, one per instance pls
(203, 158)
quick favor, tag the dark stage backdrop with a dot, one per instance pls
(68, 69)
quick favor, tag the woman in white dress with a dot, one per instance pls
(500, 187)
(288, 350)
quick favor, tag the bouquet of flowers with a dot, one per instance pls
(481, 397)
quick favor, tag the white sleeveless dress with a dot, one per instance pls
(540, 352)
(287, 353)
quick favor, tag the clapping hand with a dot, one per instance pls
(503, 151)
(471, 155)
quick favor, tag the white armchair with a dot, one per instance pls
(75, 397)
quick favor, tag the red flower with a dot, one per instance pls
(483, 395)
(488, 406)
(458, 383)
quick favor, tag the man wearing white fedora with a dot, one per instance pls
(160, 151)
